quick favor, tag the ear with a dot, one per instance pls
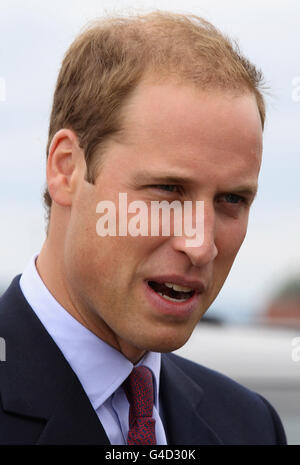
(65, 166)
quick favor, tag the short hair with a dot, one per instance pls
(109, 58)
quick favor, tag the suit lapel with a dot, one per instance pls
(73, 421)
(37, 382)
(180, 399)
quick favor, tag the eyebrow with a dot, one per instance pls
(250, 190)
(160, 177)
(149, 177)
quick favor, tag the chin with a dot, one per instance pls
(164, 344)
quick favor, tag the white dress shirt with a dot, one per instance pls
(100, 368)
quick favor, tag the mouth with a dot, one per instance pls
(171, 291)
(174, 296)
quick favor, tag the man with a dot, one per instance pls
(161, 107)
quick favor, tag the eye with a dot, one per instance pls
(235, 199)
(172, 188)
(233, 204)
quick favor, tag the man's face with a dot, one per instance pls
(211, 143)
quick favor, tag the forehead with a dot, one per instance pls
(181, 109)
(177, 126)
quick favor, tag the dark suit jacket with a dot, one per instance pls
(43, 402)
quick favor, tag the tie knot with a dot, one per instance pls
(139, 390)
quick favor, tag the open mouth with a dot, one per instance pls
(171, 291)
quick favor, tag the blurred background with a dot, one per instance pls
(251, 330)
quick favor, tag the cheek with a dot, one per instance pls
(229, 240)
(79, 250)
(113, 259)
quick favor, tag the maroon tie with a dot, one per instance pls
(139, 390)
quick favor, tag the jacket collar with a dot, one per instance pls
(182, 399)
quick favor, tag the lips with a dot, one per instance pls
(172, 291)
(184, 302)
(187, 285)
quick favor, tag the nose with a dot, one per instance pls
(204, 251)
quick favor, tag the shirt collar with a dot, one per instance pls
(100, 368)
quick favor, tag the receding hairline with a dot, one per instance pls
(151, 80)
(185, 64)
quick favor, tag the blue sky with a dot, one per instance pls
(33, 38)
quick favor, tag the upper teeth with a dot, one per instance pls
(178, 288)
